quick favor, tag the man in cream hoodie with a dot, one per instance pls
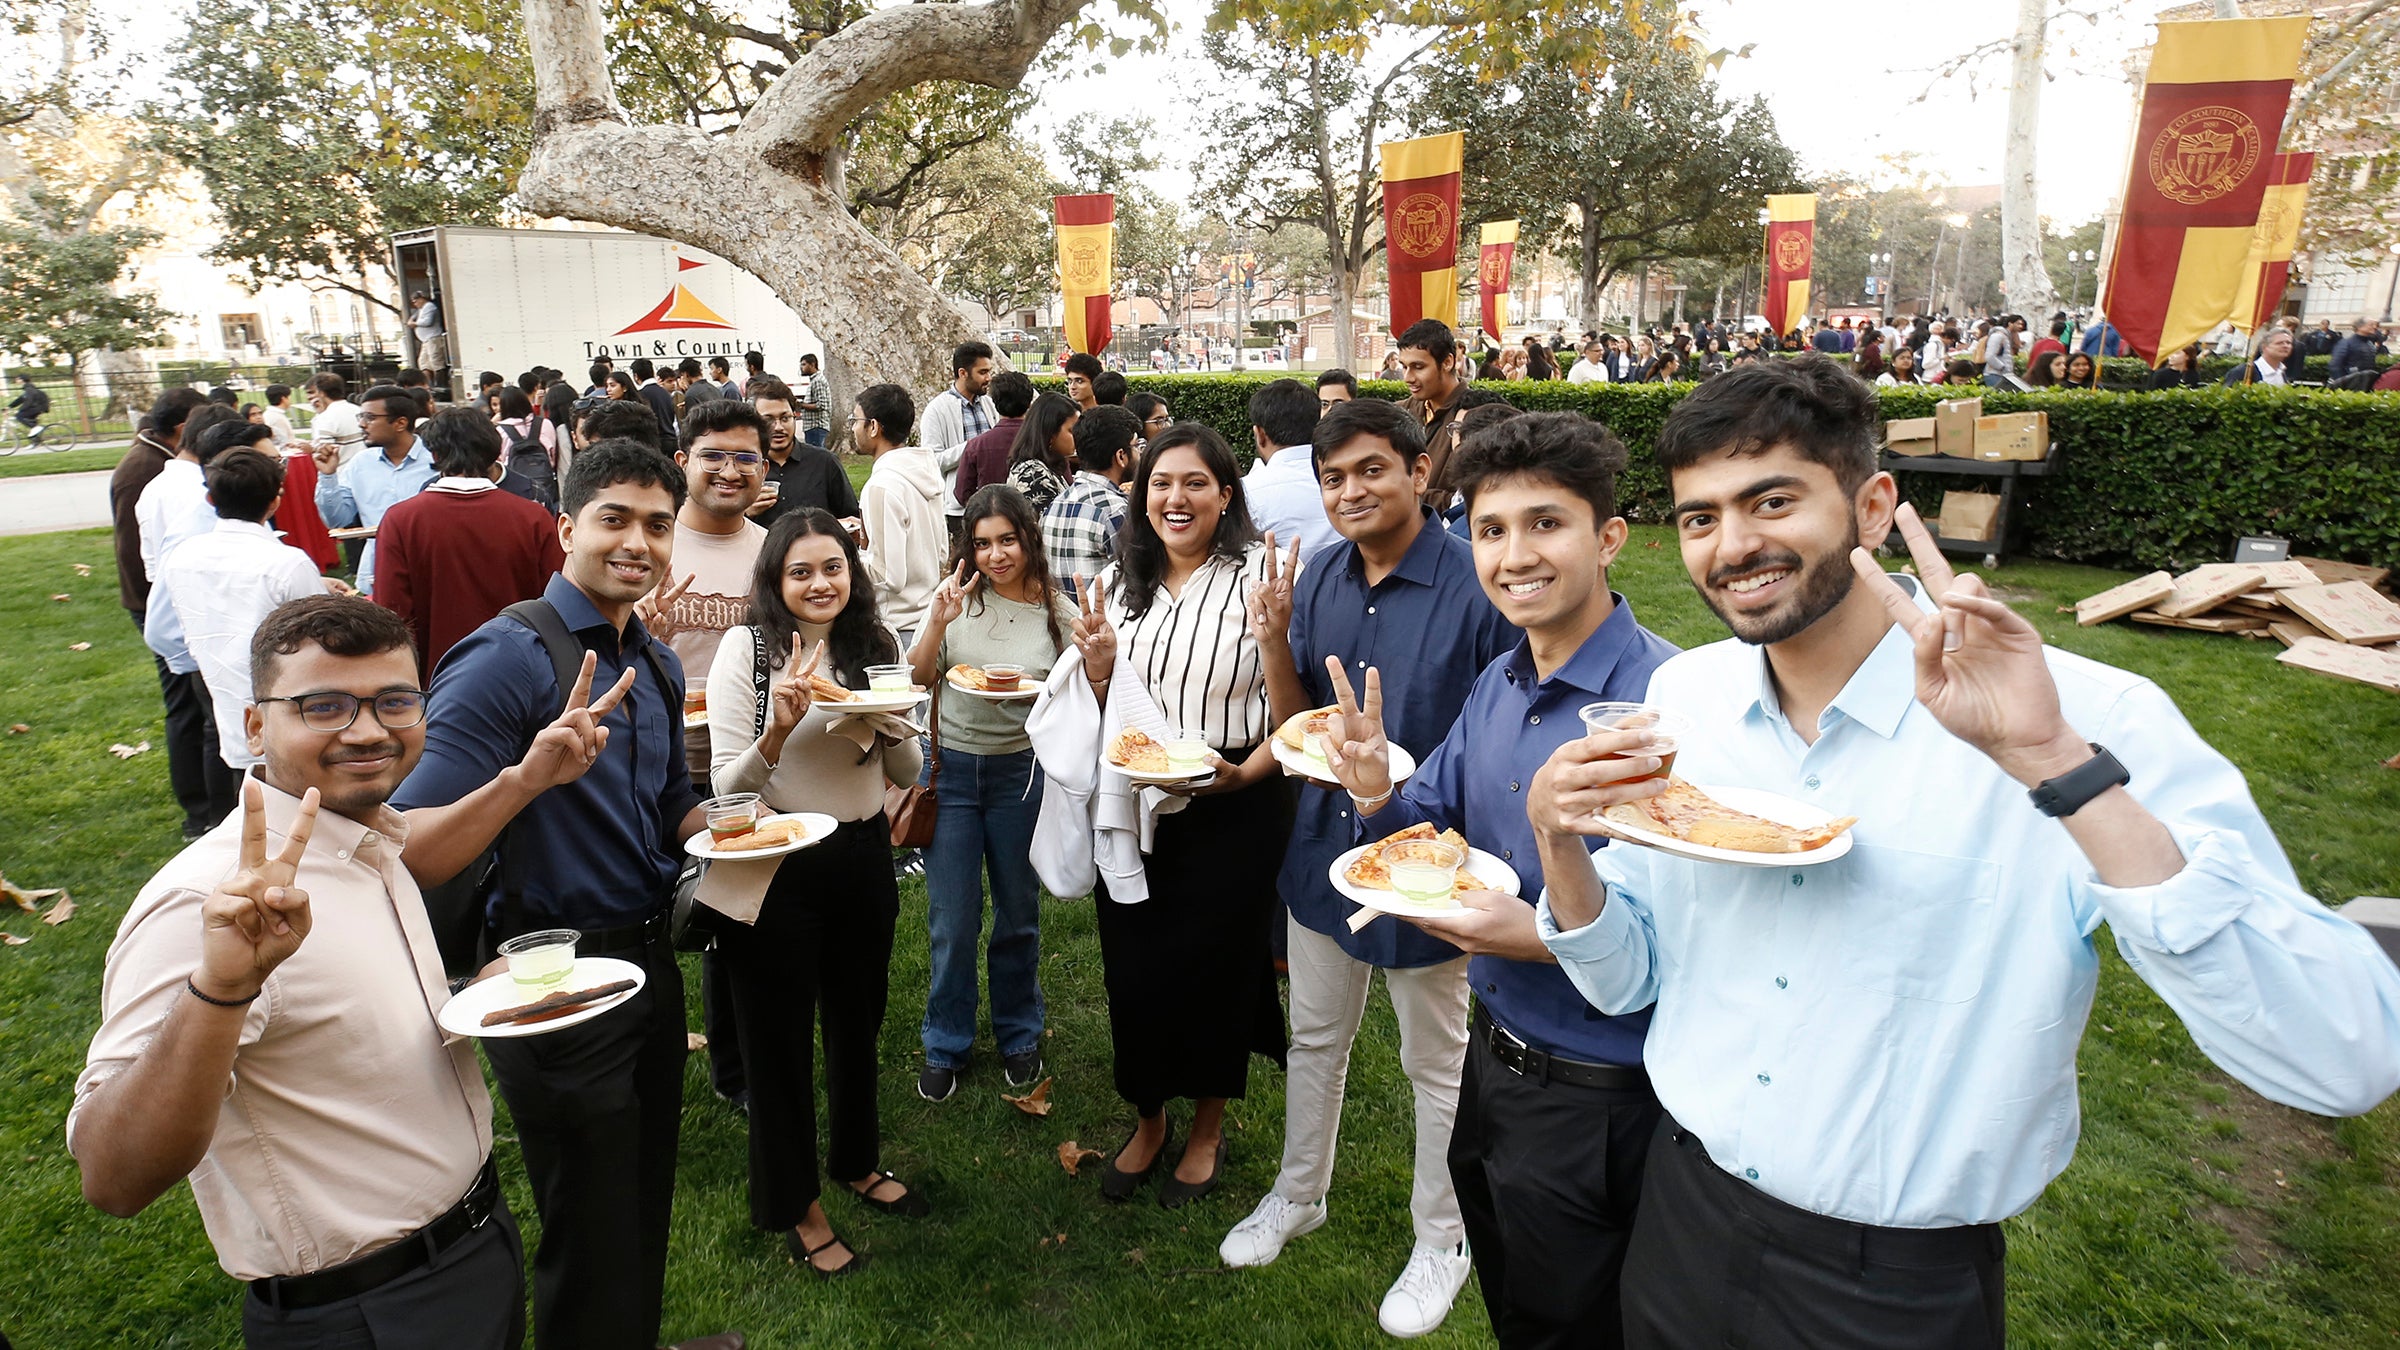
(908, 541)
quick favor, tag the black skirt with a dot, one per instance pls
(1190, 973)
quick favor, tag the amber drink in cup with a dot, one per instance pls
(1003, 678)
(732, 816)
(1666, 727)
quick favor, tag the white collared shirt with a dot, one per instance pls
(2266, 374)
(220, 587)
(1284, 497)
(1890, 1037)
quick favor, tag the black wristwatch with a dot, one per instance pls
(2066, 794)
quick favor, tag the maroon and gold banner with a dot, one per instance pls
(1497, 253)
(2203, 156)
(1085, 227)
(1420, 225)
(2267, 272)
(1791, 249)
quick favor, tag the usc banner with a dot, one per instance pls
(1791, 248)
(1420, 225)
(1085, 226)
(1499, 250)
(2267, 272)
(2203, 157)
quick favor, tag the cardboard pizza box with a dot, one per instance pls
(2327, 571)
(2219, 622)
(2206, 587)
(2013, 436)
(1909, 436)
(2120, 600)
(2350, 611)
(2293, 632)
(1954, 426)
(2284, 575)
(2343, 661)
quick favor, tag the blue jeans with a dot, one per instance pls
(813, 436)
(988, 807)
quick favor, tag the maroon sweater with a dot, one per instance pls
(448, 561)
(984, 459)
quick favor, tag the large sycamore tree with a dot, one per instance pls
(774, 201)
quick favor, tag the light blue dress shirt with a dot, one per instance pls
(366, 487)
(1890, 1038)
(1284, 497)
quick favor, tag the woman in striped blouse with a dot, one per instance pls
(1189, 971)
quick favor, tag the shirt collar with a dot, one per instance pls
(339, 834)
(463, 484)
(1419, 564)
(255, 528)
(581, 615)
(1593, 662)
(1877, 694)
(417, 457)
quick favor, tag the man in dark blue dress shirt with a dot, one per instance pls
(1555, 1111)
(598, 1107)
(1399, 593)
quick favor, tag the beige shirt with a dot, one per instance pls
(348, 1122)
(718, 598)
(819, 771)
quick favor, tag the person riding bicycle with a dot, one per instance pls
(30, 405)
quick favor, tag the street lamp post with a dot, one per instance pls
(2076, 258)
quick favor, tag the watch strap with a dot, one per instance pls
(2070, 791)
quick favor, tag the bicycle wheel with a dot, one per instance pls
(60, 436)
(12, 436)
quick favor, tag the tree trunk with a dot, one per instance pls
(772, 204)
(1587, 261)
(2029, 290)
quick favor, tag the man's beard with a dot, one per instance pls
(1823, 583)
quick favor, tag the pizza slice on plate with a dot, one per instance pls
(1300, 730)
(1367, 870)
(822, 689)
(1685, 812)
(1133, 750)
(970, 676)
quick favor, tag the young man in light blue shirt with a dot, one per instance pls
(359, 492)
(1281, 486)
(1867, 1064)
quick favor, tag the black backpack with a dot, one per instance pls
(461, 928)
(527, 459)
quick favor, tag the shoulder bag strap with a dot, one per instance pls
(758, 679)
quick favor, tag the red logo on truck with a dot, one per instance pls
(679, 309)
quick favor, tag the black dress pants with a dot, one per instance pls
(819, 955)
(191, 740)
(1548, 1176)
(599, 1112)
(223, 782)
(471, 1298)
(1718, 1262)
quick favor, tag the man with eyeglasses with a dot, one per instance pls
(359, 492)
(1335, 386)
(799, 473)
(267, 1024)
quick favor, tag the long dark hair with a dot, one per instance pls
(1538, 363)
(1036, 436)
(858, 639)
(1141, 554)
(1004, 501)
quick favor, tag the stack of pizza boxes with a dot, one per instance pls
(2334, 618)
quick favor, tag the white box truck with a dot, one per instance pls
(514, 299)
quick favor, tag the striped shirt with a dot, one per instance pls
(1195, 652)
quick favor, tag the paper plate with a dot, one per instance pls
(1024, 690)
(868, 701)
(463, 1014)
(1193, 777)
(1750, 801)
(695, 720)
(818, 826)
(1488, 868)
(1301, 764)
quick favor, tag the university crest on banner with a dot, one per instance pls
(1425, 226)
(2204, 154)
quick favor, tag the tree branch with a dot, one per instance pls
(567, 41)
(2366, 46)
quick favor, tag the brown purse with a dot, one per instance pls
(911, 808)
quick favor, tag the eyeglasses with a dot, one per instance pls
(715, 459)
(332, 710)
(1158, 421)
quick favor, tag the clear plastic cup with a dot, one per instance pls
(1667, 729)
(889, 679)
(1187, 750)
(1424, 871)
(541, 960)
(1003, 677)
(732, 815)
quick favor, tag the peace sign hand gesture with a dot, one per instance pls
(1271, 600)
(789, 699)
(255, 918)
(1980, 668)
(950, 598)
(1355, 748)
(657, 609)
(563, 750)
(1093, 635)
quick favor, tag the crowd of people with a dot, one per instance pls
(1655, 1102)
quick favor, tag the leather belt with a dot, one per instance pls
(1543, 1067)
(607, 940)
(378, 1268)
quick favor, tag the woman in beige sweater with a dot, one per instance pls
(823, 940)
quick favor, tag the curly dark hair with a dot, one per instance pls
(858, 639)
(345, 625)
(1005, 502)
(1818, 408)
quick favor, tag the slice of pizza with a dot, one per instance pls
(1685, 812)
(1369, 872)
(824, 690)
(971, 677)
(1300, 729)
(1133, 750)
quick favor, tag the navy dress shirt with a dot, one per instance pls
(600, 852)
(1429, 630)
(1476, 782)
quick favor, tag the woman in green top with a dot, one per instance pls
(998, 606)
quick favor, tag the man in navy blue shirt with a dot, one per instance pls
(1555, 1111)
(1398, 593)
(598, 1107)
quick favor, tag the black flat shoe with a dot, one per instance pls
(1117, 1187)
(802, 1252)
(1175, 1193)
(910, 1205)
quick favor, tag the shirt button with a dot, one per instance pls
(1763, 1080)
(1782, 983)
(1507, 854)
(1362, 665)
(1513, 787)
(1491, 989)
(342, 853)
(1812, 781)
(1799, 880)
(1750, 1172)
(1370, 609)
(1537, 719)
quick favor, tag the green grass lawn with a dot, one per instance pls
(81, 459)
(2194, 1213)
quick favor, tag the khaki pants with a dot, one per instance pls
(1329, 996)
(433, 353)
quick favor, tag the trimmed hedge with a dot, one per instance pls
(2167, 479)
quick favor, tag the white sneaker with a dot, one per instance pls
(1422, 1296)
(1259, 1239)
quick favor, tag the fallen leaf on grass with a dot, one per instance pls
(29, 901)
(18, 728)
(62, 598)
(1072, 1155)
(1034, 1103)
(60, 911)
(122, 751)
(2392, 763)
(694, 1042)
(13, 940)
(79, 646)
(82, 569)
